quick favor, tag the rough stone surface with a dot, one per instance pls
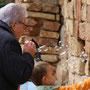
(49, 58)
(76, 47)
(49, 34)
(42, 15)
(52, 26)
(82, 31)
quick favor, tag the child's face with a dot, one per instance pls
(50, 76)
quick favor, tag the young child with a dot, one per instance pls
(43, 76)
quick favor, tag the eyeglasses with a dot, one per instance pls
(24, 24)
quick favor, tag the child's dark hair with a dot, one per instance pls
(38, 72)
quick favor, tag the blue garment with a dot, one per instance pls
(28, 86)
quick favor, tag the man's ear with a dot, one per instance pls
(13, 25)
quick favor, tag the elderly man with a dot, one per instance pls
(15, 66)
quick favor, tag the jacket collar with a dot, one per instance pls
(5, 26)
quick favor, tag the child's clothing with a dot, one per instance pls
(81, 86)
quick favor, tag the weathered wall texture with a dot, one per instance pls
(76, 15)
(61, 28)
(44, 26)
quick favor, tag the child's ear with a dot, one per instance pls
(44, 80)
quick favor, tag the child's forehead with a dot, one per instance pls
(50, 67)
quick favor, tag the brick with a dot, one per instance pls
(58, 17)
(43, 41)
(78, 9)
(53, 2)
(82, 31)
(50, 8)
(34, 7)
(42, 15)
(49, 50)
(76, 47)
(84, 12)
(48, 42)
(31, 22)
(49, 34)
(87, 31)
(87, 47)
(76, 29)
(88, 13)
(49, 58)
(52, 26)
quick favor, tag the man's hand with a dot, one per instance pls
(30, 48)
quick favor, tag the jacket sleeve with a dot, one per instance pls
(81, 86)
(16, 67)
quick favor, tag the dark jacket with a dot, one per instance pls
(15, 67)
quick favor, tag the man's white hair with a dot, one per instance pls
(12, 12)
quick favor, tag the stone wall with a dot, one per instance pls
(61, 28)
(44, 25)
(76, 25)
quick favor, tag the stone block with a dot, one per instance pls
(88, 2)
(69, 27)
(75, 9)
(49, 50)
(82, 30)
(42, 15)
(31, 22)
(48, 42)
(57, 17)
(76, 65)
(62, 75)
(50, 8)
(87, 68)
(53, 2)
(52, 26)
(84, 1)
(34, 7)
(76, 78)
(87, 47)
(65, 9)
(78, 9)
(87, 31)
(84, 14)
(79, 78)
(76, 29)
(76, 47)
(48, 34)
(61, 2)
(71, 78)
(42, 41)
(49, 58)
(88, 14)
(70, 9)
